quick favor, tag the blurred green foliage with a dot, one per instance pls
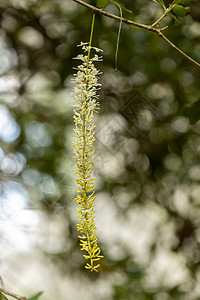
(148, 138)
(2, 297)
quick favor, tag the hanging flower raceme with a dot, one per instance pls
(85, 105)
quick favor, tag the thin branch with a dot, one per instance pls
(162, 17)
(1, 282)
(179, 50)
(119, 31)
(163, 28)
(11, 294)
(100, 11)
(118, 36)
(132, 23)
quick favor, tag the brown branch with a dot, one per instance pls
(136, 24)
(100, 11)
(11, 294)
(179, 50)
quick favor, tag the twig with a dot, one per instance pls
(1, 282)
(179, 50)
(163, 28)
(100, 11)
(119, 31)
(136, 24)
(118, 36)
(162, 17)
(11, 294)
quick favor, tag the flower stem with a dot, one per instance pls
(91, 36)
(84, 140)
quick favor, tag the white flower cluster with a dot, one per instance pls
(85, 105)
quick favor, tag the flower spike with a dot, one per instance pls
(86, 105)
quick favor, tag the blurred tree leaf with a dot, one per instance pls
(192, 112)
(161, 2)
(180, 2)
(176, 20)
(3, 297)
(103, 3)
(159, 154)
(181, 11)
(36, 297)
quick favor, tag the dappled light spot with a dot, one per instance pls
(172, 161)
(139, 78)
(180, 124)
(31, 176)
(9, 84)
(186, 79)
(9, 22)
(9, 129)
(145, 119)
(48, 186)
(192, 30)
(13, 164)
(56, 29)
(168, 65)
(194, 173)
(8, 59)
(180, 201)
(13, 199)
(164, 108)
(31, 37)
(160, 91)
(37, 134)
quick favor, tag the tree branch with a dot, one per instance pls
(101, 11)
(11, 294)
(179, 50)
(136, 24)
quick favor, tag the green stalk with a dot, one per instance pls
(91, 36)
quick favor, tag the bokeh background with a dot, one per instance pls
(147, 160)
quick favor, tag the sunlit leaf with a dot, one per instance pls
(181, 11)
(35, 297)
(160, 2)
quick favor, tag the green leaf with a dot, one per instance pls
(103, 3)
(181, 11)
(177, 22)
(36, 296)
(161, 2)
(2, 297)
(192, 112)
(180, 2)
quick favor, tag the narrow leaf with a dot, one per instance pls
(177, 22)
(181, 11)
(36, 296)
